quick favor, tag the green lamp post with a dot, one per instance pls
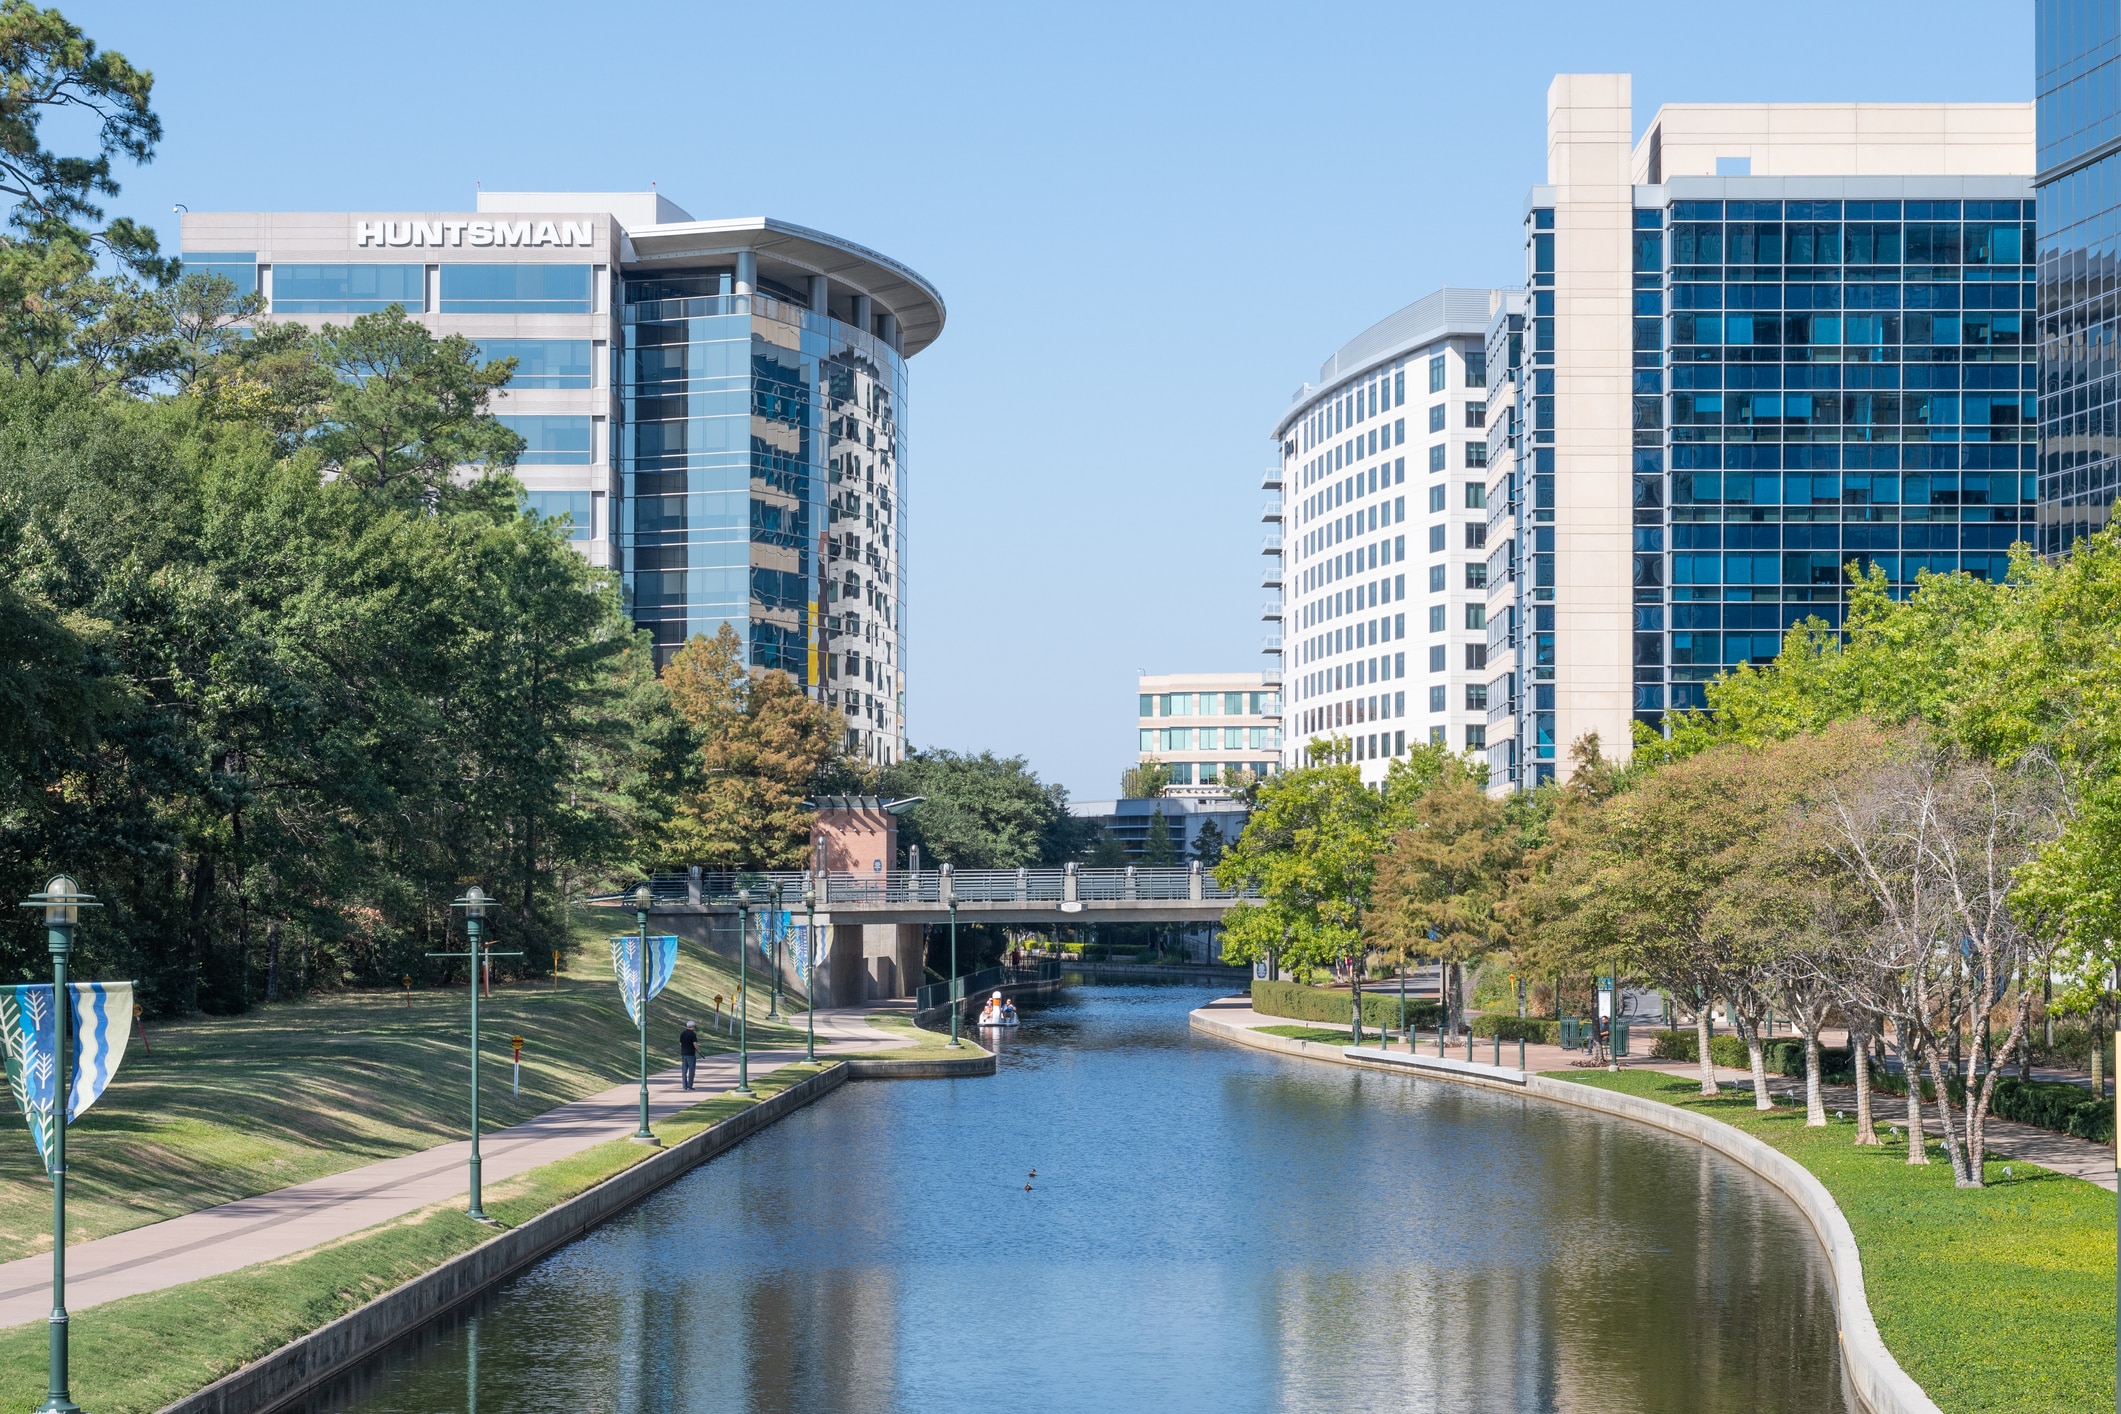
(474, 903)
(643, 900)
(62, 902)
(773, 931)
(743, 988)
(950, 898)
(810, 968)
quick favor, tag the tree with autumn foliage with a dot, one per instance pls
(761, 746)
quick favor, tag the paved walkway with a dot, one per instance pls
(294, 1219)
(2063, 1153)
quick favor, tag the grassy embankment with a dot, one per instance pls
(138, 1354)
(1991, 1299)
(1324, 1035)
(927, 1044)
(227, 1107)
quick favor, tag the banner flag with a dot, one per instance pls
(102, 1022)
(626, 964)
(811, 945)
(774, 927)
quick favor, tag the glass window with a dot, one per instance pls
(542, 363)
(1476, 495)
(238, 267)
(1148, 704)
(1436, 658)
(1436, 458)
(550, 441)
(348, 289)
(1436, 613)
(1436, 497)
(552, 505)
(1436, 417)
(1436, 375)
(1436, 699)
(1148, 739)
(1436, 573)
(515, 289)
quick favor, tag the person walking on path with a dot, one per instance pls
(688, 1054)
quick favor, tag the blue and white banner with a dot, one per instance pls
(102, 1022)
(774, 929)
(626, 963)
(809, 950)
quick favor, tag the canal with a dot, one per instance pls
(1209, 1228)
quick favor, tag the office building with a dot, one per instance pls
(2077, 54)
(1213, 730)
(1126, 821)
(1763, 344)
(720, 406)
(1383, 465)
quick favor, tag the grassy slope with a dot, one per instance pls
(1325, 1035)
(139, 1354)
(228, 1107)
(1991, 1299)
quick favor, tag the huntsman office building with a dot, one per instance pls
(719, 406)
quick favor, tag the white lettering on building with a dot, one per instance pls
(475, 233)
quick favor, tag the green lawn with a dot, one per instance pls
(1324, 1035)
(927, 1045)
(1991, 1299)
(139, 1354)
(226, 1107)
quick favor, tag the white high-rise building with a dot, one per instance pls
(1383, 466)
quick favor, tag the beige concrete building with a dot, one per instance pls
(1762, 344)
(1211, 729)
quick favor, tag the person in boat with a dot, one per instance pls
(1008, 1013)
(991, 1014)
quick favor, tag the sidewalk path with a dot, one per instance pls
(294, 1219)
(2062, 1153)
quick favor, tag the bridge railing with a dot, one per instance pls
(926, 886)
(936, 994)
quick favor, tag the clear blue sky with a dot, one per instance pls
(1150, 222)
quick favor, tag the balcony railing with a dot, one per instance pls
(1271, 512)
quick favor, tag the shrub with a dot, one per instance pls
(1726, 1051)
(1541, 1030)
(1300, 1003)
(1675, 1045)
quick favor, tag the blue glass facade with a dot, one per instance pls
(2077, 48)
(762, 463)
(1819, 383)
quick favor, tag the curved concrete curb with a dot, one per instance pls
(1874, 1377)
(940, 1068)
(297, 1368)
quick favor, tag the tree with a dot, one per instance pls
(1209, 844)
(1145, 781)
(761, 746)
(1442, 876)
(982, 811)
(408, 408)
(1309, 850)
(1158, 852)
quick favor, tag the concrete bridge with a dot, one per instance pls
(886, 910)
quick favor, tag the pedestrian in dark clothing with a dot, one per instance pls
(688, 1053)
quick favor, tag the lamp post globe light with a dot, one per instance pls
(61, 903)
(950, 898)
(810, 969)
(643, 900)
(743, 988)
(773, 932)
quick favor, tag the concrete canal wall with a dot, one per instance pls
(1876, 1383)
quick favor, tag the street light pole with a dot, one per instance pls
(61, 901)
(474, 903)
(810, 968)
(950, 898)
(643, 899)
(743, 989)
(773, 912)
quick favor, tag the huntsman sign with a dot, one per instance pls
(475, 233)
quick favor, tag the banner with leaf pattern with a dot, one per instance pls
(102, 1022)
(626, 963)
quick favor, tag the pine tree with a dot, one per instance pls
(1158, 851)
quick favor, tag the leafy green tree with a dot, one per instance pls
(1443, 874)
(982, 811)
(1158, 850)
(1209, 844)
(1309, 850)
(408, 408)
(1146, 781)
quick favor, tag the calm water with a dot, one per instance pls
(1210, 1228)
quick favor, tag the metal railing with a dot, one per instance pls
(1066, 884)
(956, 989)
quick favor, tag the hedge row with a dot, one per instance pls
(1299, 1003)
(2050, 1104)
(1540, 1030)
(1784, 1055)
